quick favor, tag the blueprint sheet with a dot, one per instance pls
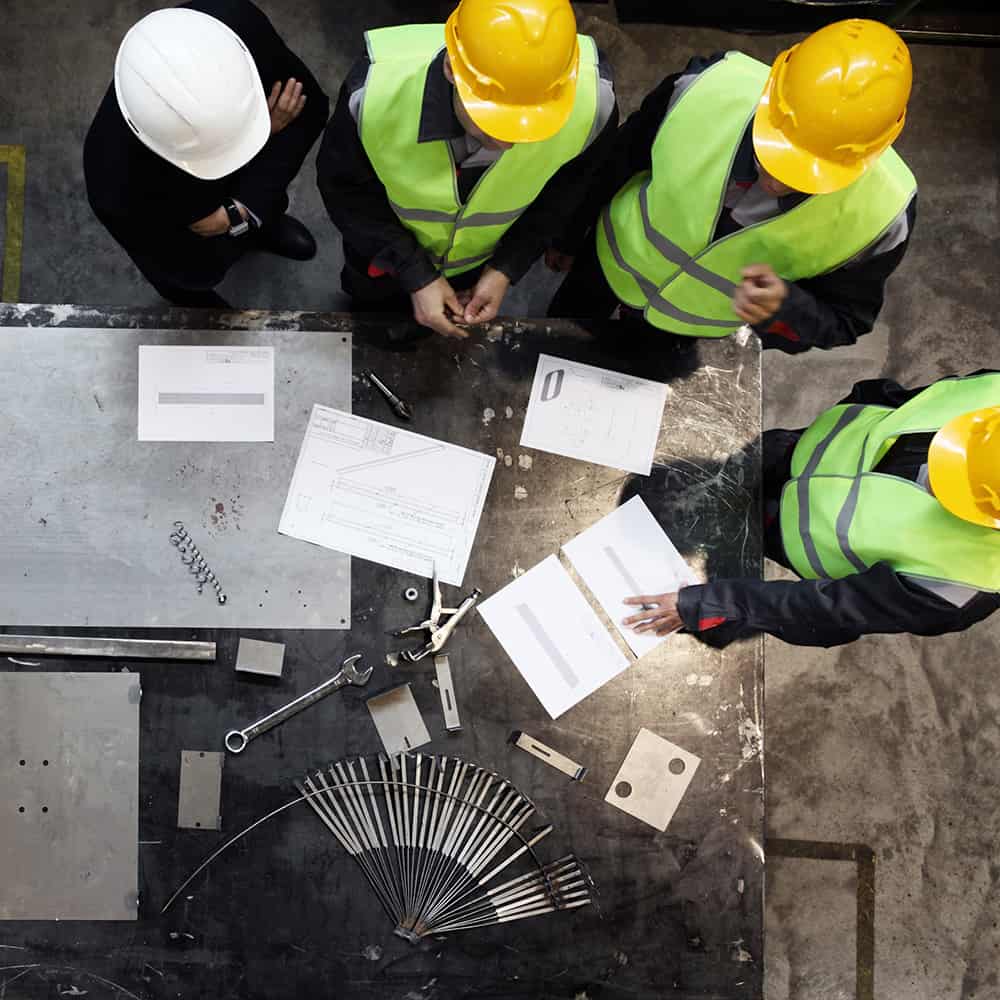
(594, 414)
(388, 495)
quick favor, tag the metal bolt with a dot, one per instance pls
(411, 594)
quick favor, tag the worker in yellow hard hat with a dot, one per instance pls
(741, 194)
(457, 151)
(887, 507)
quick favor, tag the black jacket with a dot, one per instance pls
(373, 235)
(833, 612)
(827, 311)
(147, 203)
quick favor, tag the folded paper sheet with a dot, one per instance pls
(626, 554)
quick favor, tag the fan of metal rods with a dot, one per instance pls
(433, 833)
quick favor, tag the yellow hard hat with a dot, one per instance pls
(515, 65)
(964, 466)
(832, 105)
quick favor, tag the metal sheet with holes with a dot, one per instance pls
(93, 505)
(200, 790)
(69, 791)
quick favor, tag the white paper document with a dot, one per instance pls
(594, 414)
(206, 393)
(625, 554)
(388, 495)
(555, 639)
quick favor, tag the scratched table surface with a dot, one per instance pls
(285, 913)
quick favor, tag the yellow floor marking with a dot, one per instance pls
(15, 158)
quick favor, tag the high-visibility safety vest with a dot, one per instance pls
(655, 241)
(420, 177)
(838, 517)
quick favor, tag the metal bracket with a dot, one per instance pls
(446, 688)
(551, 757)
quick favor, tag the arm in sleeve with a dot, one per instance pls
(886, 392)
(262, 184)
(357, 202)
(555, 208)
(836, 308)
(822, 612)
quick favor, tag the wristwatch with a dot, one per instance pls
(238, 226)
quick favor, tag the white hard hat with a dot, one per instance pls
(189, 89)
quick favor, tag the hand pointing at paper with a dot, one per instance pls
(659, 614)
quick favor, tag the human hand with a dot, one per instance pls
(285, 104)
(556, 260)
(660, 614)
(759, 295)
(486, 296)
(216, 224)
(434, 305)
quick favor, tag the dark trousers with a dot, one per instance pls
(776, 469)
(585, 292)
(185, 268)
(189, 279)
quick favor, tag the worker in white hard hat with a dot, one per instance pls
(190, 156)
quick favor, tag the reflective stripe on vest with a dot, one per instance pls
(420, 177)
(655, 238)
(839, 517)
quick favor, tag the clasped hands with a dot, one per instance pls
(439, 307)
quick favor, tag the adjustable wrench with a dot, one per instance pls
(237, 739)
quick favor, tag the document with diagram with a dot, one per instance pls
(594, 414)
(386, 494)
(626, 554)
(197, 393)
(554, 637)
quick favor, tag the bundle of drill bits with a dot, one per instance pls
(433, 833)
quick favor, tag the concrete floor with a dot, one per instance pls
(890, 742)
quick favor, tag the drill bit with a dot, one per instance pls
(399, 406)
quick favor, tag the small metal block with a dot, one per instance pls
(200, 790)
(256, 657)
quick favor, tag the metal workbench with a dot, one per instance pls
(286, 913)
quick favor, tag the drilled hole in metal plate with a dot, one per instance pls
(45, 763)
(21, 762)
(676, 766)
(45, 809)
(623, 789)
(20, 809)
(197, 823)
(202, 753)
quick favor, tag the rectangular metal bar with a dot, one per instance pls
(551, 757)
(134, 649)
(446, 688)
